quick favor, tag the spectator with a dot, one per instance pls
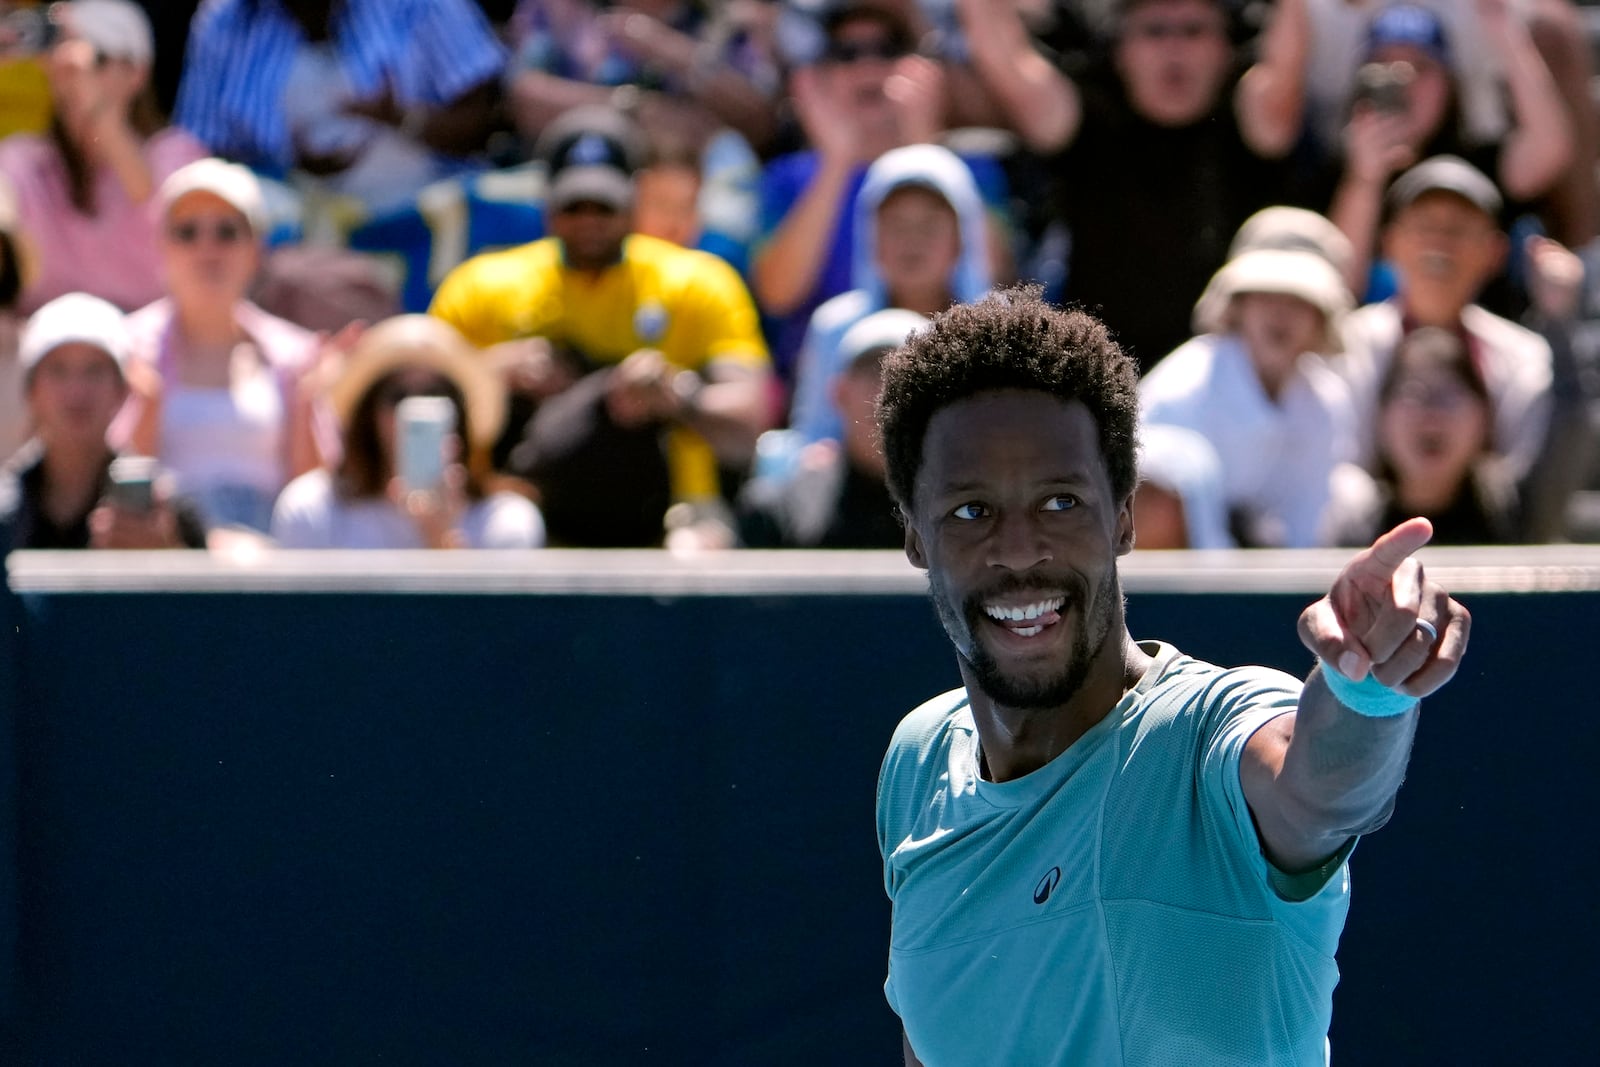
(360, 503)
(1179, 502)
(1480, 79)
(58, 488)
(1251, 385)
(376, 98)
(623, 342)
(1445, 243)
(83, 190)
(1421, 117)
(835, 495)
(683, 69)
(1434, 456)
(866, 93)
(24, 83)
(15, 262)
(699, 200)
(216, 378)
(1564, 312)
(919, 244)
(1161, 150)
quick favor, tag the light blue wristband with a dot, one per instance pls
(1368, 697)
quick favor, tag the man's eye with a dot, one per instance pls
(970, 511)
(1064, 502)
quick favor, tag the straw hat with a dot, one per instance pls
(1306, 275)
(423, 341)
(1294, 229)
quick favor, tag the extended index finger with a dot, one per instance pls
(1395, 547)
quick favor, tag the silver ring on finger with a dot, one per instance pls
(1428, 630)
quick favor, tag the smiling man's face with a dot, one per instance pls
(1015, 522)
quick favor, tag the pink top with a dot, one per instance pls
(112, 254)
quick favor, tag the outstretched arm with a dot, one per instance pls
(1038, 101)
(1270, 100)
(1330, 771)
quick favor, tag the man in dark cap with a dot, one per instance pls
(1444, 240)
(645, 360)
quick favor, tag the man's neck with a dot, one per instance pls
(1016, 742)
(1431, 309)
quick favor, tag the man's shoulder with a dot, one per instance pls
(508, 268)
(1501, 333)
(1186, 685)
(644, 250)
(926, 726)
(678, 272)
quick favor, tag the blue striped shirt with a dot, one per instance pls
(240, 53)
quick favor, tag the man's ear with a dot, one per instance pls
(914, 552)
(1125, 526)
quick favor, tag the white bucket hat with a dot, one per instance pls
(1306, 275)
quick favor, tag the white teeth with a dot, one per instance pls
(1028, 631)
(1020, 614)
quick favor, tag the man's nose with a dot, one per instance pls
(1019, 541)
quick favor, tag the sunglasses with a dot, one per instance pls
(222, 231)
(855, 51)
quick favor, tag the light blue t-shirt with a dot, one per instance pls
(1114, 906)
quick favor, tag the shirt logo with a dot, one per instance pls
(650, 323)
(589, 149)
(1047, 885)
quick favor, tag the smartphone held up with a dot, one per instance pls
(425, 429)
(132, 484)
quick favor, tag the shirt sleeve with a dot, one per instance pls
(725, 316)
(1241, 702)
(463, 300)
(205, 63)
(455, 50)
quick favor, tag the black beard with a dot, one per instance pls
(1030, 694)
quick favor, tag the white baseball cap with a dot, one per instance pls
(118, 29)
(888, 328)
(231, 183)
(74, 318)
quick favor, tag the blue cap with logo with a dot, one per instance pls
(1409, 25)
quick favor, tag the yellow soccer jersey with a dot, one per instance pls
(690, 305)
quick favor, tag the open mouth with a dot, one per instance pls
(1026, 619)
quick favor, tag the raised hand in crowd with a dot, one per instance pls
(531, 367)
(113, 525)
(1555, 278)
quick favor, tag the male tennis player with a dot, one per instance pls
(1101, 851)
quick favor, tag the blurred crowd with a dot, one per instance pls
(623, 273)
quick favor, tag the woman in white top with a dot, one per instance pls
(1253, 386)
(360, 503)
(216, 378)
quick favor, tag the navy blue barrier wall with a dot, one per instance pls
(487, 817)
